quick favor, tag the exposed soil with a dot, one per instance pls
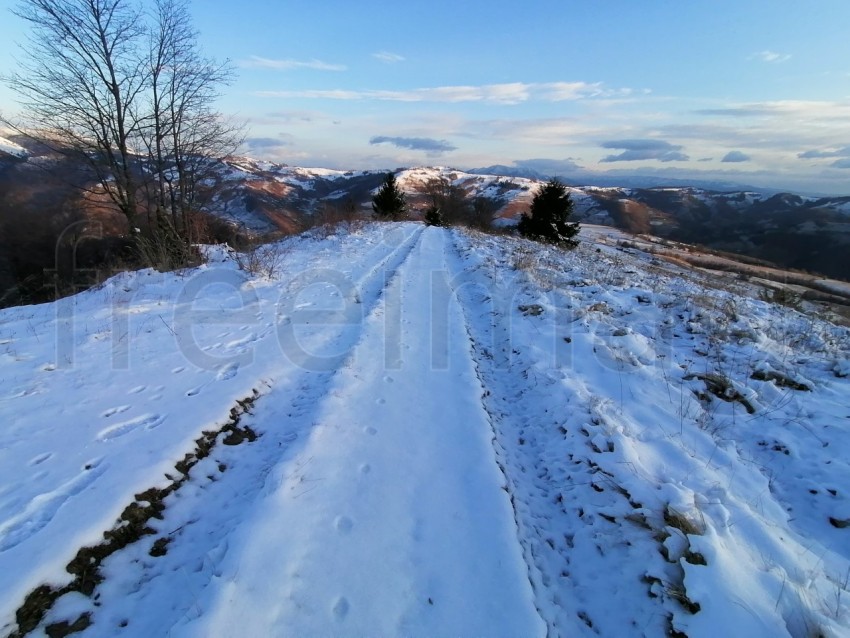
(131, 526)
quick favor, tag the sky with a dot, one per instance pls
(754, 92)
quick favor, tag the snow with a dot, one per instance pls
(458, 435)
(834, 286)
(7, 146)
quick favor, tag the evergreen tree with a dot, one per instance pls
(389, 202)
(550, 210)
(433, 216)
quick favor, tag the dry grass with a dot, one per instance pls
(680, 521)
(722, 388)
(263, 260)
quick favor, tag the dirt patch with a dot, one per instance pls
(780, 380)
(65, 628)
(131, 526)
(722, 388)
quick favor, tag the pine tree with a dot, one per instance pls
(389, 202)
(550, 210)
(433, 216)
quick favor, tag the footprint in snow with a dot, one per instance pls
(41, 458)
(365, 468)
(40, 511)
(113, 411)
(370, 430)
(227, 372)
(138, 389)
(93, 464)
(146, 422)
(340, 608)
(178, 370)
(343, 524)
(289, 438)
(194, 392)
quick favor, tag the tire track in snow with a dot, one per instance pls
(390, 521)
(551, 444)
(459, 281)
(194, 530)
(453, 287)
(44, 553)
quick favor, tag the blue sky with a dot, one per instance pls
(754, 91)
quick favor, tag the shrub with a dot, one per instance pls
(433, 216)
(389, 201)
(550, 210)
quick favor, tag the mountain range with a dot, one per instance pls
(786, 229)
(794, 231)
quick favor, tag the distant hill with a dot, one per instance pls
(792, 231)
(8, 147)
(586, 178)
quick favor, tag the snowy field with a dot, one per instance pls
(409, 431)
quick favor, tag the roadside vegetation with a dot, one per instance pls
(123, 99)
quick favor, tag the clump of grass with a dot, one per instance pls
(523, 259)
(680, 521)
(695, 558)
(783, 297)
(680, 595)
(722, 388)
(65, 628)
(263, 260)
(780, 380)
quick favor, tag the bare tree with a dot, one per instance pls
(483, 211)
(183, 132)
(450, 199)
(80, 81)
(128, 92)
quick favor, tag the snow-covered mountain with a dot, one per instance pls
(10, 148)
(393, 430)
(575, 176)
(806, 233)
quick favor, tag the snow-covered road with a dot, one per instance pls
(391, 519)
(371, 504)
(457, 434)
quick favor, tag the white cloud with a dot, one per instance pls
(509, 93)
(817, 153)
(770, 56)
(431, 146)
(566, 91)
(734, 157)
(388, 57)
(257, 62)
(644, 149)
(644, 129)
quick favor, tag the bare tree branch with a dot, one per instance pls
(127, 93)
